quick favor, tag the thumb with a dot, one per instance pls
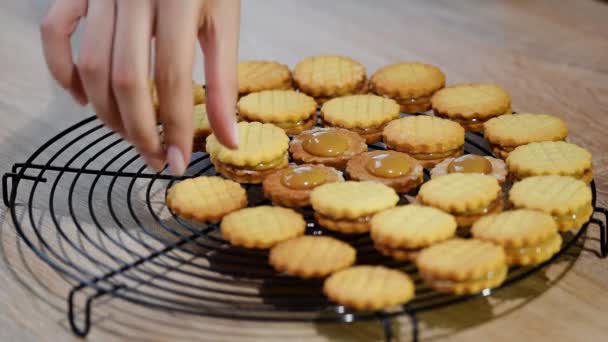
(219, 39)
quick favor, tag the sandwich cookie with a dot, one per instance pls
(330, 146)
(262, 75)
(472, 163)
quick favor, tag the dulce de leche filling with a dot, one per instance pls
(289, 124)
(540, 248)
(422, 100)
(490, 208)
(434, 155)
(282, 160)
(470, 163)
(345, 220)
(325, 144)
(303, 178)
(388, 165)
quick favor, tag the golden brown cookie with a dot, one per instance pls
(428, 139)
(262, 75)
(206, 199)
(363, 114)
(471, 163)
(567, 199)
(291, 110)
(261, 227)
(311, 256)
(528, 236)
(403, 231)
(262, 150)
(348, 207)
(471, 104)
(462, 266)
(411, 84)
(506, 132)
(467, 196)
(330, 146)
(395, 169)
(369, 287)
(291, 187)
(202, 128)
(329, 76)
(550, 158)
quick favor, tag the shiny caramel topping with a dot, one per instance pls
(303, 177)
(389, 165)
(325, 144)
(470, 163)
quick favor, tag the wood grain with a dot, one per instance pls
(550, 57)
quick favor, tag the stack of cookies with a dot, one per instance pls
(356, 165)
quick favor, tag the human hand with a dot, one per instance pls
(112, 72)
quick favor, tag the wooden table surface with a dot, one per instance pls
(550, 56)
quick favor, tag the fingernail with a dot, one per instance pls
(155, 164)
(175, 159)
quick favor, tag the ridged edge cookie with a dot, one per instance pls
(463, 101)
(357, 170)
(554, 243)
(276, 106)
(352, 200)
(359, 111)
(524, 128)
(300, 155)
(421, 80)
(515, 228)
(556, 195)
(468, 287)
(423, 134)
(280, 72)
(318, 86)
(549, 158)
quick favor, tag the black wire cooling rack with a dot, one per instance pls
(86, 205)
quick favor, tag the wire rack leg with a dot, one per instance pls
(603, 230)
(86, 323)
(388, 329)
(414, 322)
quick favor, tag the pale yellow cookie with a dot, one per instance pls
(567, 199)
(460, 260)
(426, 138)
(291, 110)
(262, 75)
(258, 143)
(471, 104)
(206, 198)
(311, 256)
(199, 93)
(506, 132)
(550, 158)
(369, 287)
(261, 227)
(329, 76)
(359, 111)
(412, 227)
(528, 236)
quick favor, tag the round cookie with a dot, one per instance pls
(550, 158)
(206, 199)
(311, 256)
(262, 75)
(395, 169)
(202, 128)
(261, 227)
(291, 187)
(528, 236)
(471, 104)
(471, 163)
(290, 110)
(567, 199)
(369, 287)
(506, 132)
(347, 207)
(329, 76)
(411, 84)
(329, 146)
(262, 150)
(428, 139)
(362, 114)
(462, 266)
(467, 196)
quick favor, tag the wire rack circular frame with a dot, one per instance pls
(85, 203)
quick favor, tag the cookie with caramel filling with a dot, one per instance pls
(507, 132)
(411, 84)
(471, 104)
(329, 146)
(363, 114)
(291, 187)
(550, 158)
(567, 199)
(462, 266)
(528, 236)
(395, 169)
(324, 77)
(467, 196)
(427, 139)
(471, 163)
(293, 111)
(262, 150)
(348, 207)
